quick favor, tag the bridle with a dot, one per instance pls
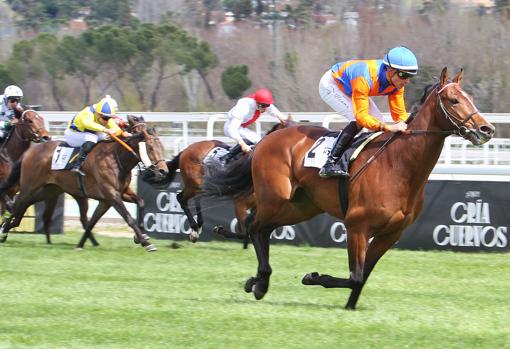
(34, 135)
(461, 130)
(154, 163)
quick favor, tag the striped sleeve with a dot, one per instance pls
(397, 106)
(361, 104)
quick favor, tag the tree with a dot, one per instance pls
(235, 81)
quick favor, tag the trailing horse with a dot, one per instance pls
(385, 192)
(108, 174)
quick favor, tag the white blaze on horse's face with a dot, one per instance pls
(143, 154)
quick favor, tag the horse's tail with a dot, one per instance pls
(234, 180)
(13, 178)
(173, 166)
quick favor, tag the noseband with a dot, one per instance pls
(154, 163)
(461, 129)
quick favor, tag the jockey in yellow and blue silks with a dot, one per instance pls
(91, 125)
(347, 88)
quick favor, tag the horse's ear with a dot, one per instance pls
(458, 77)
(290, 117)
(443, 79)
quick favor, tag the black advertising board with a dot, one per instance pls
(457, 215)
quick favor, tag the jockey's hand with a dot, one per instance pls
(126, 134)
(14, 121)
(398, 127)
(113, 132)
(245, 147)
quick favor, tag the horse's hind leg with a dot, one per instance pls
(49, 207)
(183, 198)
(260, 284)
(376, 249)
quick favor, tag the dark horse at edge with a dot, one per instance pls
(385, 194)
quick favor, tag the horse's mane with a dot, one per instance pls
(20, 109)
(416, 107)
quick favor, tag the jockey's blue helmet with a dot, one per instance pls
(403, 59)
(107, 107)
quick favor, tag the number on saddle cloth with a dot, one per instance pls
(215, 154)
(64, 156)
(319, 152)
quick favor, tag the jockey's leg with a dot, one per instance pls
(332, 167)
(84, 150)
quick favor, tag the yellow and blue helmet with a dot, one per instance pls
(106, 107)
(403, 59)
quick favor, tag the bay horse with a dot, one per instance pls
(190, 163)
(108, 173)
(385, 191)
(28, 128)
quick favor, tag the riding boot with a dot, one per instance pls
(332, 168)
(84, 150)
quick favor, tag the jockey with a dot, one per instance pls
(346, 88)
(91, 125)
(9, 100)
(246, 111)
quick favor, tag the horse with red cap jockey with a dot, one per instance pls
(246, 111)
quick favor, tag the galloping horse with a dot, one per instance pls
(108, 172)
(190, 162)
(29, 128)
(385, 192)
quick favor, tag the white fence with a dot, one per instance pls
(178, 130)
(459, 159)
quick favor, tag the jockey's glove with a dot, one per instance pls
(5, 124)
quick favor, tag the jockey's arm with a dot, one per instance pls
(361, 106)
(397, 106)
(232, 130)
(273, 111)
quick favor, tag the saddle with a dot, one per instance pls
(64, 156)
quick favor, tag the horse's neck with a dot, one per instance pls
(422, 150)
(15, 146)
(125, 159)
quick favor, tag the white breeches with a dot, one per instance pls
(340, 102)
(76, 138)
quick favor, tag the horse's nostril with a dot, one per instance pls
(488, 130)
(162, 172)
(46, 138)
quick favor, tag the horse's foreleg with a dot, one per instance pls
(376, 249)
(130, 196)
(18, 210)
(122, 210)
(100, 210)
(183, 198)
(240, 208)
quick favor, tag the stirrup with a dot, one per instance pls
(332, 169)
(78, 171)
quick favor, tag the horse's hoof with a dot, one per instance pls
(151, 248)
(193, 236)
(258, 293)
(78, 248)
(309, 279)
(137, 241)
(218, 229)
(250, 284)
(3, 237)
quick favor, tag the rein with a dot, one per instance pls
(34, 135)
(461, 130)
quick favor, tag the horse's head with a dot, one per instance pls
(459, 111)
(284, 124)
(30, 125)
(150, 147)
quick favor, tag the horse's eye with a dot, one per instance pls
(455, 101)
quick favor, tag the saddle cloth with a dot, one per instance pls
(63, 156)
(215, 154)
(319, 152)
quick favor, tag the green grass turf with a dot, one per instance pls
(119, 296)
